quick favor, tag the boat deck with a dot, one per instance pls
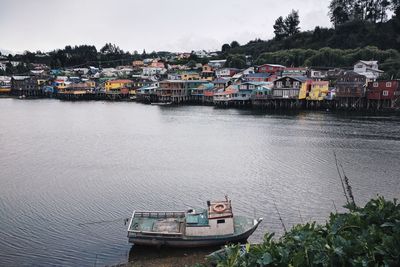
(158, 222)
(174, 223)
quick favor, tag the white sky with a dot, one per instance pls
(160, 25)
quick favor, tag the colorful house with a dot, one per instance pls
(118, 86)
(172, 91)
(224, 97)
(199, 93)
(25, 86)
(288, 87)
(262, 91)
(5, 85)
(368, 68)
(207, 72)
(351, 85)
(226, 72)
(295, 72)
(257, 77)
(222, 83)
(190, 75)
(383, 94)
(314, 90)
(270, 68)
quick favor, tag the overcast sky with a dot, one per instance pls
(161, 25)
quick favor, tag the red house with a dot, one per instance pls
(383, 90)
(270, 68)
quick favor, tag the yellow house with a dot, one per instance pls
(115, 86)
(314, 90)
(188, 76)
(5, 89)
(60, 85)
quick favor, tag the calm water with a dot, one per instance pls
(65, 166)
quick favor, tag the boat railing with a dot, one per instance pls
(159, 214)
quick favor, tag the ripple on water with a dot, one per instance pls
(71, 172)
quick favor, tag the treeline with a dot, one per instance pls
(361, 31)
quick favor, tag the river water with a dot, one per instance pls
(70, 172)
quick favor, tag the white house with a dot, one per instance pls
(368, 69)
(150, 71)
(216, 64)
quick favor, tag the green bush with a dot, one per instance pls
(368, 236)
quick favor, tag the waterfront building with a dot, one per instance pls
(5, 85)
(288, 87)
(383, 94)
(117, 89)
(25, 86)
(172, 91)
(350, 90)
(246, 90)
(76, 91)
(222, 83)
(208, 89)
(147, 94)
(139, 82)
(224, 97)
(118, 86)
(202, 93)
(369, 69)
(314, 90)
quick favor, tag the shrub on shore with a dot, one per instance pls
(367, 236)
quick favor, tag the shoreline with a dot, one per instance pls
(301, 105)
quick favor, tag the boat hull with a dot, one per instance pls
(190, 242)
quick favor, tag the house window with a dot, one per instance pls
(388, 84)
(279, 84)
(376, 84)
(296, 84)
(385, 93)
(220, 221)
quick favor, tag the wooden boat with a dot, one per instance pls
(213, 226)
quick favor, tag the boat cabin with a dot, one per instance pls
(217, 220)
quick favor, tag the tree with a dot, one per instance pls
(236, 61)
(339, 11)
(225, 48)
(292, 22)
(191, 64)
(279, 28)
(235, 44)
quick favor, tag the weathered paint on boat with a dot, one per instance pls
(163, 240)
(213, 226)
